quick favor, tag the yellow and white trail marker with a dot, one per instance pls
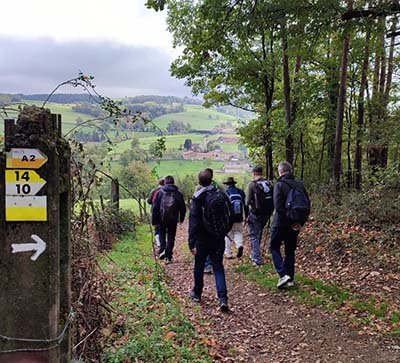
(25, 158)
(23, 182)
(26, 208)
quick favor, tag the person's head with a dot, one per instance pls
(210, 171)
(284, 168)
(161, 182)
(169, 180)
(205, 178)
(257, 171)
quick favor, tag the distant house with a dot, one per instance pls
(212, 155)
(228, 140)
(236, 168)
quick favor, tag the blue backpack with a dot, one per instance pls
(237, 204)
(297, 203)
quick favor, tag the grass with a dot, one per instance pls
(180, 168)
(155, 329)
(330, 297)
(198, 117)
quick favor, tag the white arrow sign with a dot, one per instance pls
(38, 247)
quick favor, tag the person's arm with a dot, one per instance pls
(195, 219)
(245, 206)
(150, 198)
(249, 194)
(155, 214)
(280, 200)
(182, 207)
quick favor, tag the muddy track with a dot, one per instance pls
(269, 326)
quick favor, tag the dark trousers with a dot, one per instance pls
(288, 237)
(167, 235)
(216, 256)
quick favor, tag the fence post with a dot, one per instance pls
(34, 240)
(115, 193)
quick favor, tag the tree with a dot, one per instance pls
(139, 180)
(187, 144)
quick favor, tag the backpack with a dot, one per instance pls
(237, 205)
(168, 207)
(263, 198)
(217, 213)
(297, 203)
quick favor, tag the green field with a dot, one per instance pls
(198, 117)
(180, 168)
(173, 142)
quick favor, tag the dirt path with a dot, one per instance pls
(269, 326)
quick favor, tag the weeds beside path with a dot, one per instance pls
(267, 325)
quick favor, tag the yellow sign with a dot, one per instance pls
(25, 158)
(26, 208)
(23, 176)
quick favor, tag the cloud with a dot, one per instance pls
(38, 65)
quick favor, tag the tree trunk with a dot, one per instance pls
(360, 114)
(337, 163)
(289, 152)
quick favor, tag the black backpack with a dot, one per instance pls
(168, 207)
(297, 203)
(263, 198)
(217, 213)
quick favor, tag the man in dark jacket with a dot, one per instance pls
(283, 229)
(259, 199)
(168, 209)
(203, 243)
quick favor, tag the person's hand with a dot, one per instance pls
(296, 226)
(245, 221)
(194, 251)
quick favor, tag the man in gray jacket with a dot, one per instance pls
(259, 200)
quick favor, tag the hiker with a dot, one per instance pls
(209, 222)
(259, 199)
(168, 209)
(292, 208)
(150, 200)
(237, 197)
(208, 265)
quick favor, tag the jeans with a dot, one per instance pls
(216, 256)
(256, 228)
(167, 239)
(289, 237)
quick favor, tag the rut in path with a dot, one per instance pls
(269, 326)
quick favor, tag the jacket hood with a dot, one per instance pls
(202, 190)
(286, 176)
(170, 188)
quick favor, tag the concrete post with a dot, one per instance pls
(34, 240)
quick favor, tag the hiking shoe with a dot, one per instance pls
(208, 270)
(240, 252)
(290, 284)
(283, 281)
(229, 257)
(223, 306)
(194, 296)
(161, 256)
(168, 260)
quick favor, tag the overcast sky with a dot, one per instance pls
(124, 45)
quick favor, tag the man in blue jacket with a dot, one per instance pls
(168, 209)
(203, 243)
(238, 198)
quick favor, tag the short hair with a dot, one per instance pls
(205, 178)
(257, 170)
(285, 167)
(210, 171)
(161, 181)
(169, 179)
